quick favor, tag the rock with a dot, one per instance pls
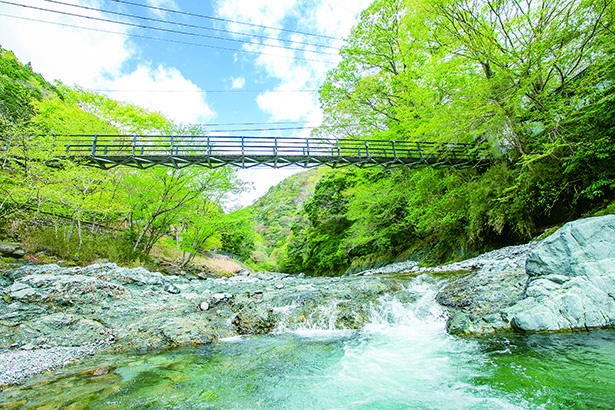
(12, 251)
(21, 291)
(172, 289)
(571, 282)
(220, 297)
(254, 321)
(581, 248)
(474, 301)
(204, 306)
(28, 346)
(99, 371)
(460, 324)
(567, 282)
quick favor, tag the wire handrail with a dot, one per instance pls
(143, 151)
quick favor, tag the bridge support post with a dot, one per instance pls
(394, 150)
(134, 144)
(94, 140)
(243, 152)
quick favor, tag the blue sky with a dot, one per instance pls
(236, 66)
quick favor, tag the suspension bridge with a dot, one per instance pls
(145, 151)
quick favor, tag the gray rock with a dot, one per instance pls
(581, 248)
(572, 279)
(171, 288)
(220, 297)
(565, 282)
(21, 291)
(12, 251)
(475, 301)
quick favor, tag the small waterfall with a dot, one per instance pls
(404, 358)
(311, 321)
(421, 312)
(418, 310)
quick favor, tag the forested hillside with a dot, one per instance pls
(532, 82)
(79, 213)
(277, 212)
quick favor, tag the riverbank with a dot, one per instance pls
(51, 315)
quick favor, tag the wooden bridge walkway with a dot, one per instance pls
(144, 151)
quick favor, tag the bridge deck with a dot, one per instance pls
(143, 151)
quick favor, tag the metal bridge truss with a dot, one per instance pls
(144, 151)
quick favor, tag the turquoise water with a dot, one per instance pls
(402, 359)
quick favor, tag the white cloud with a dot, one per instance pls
(260, 12)
(165, 90)
(286, 106)
(97, 60)
(335, 18)
(238, 83)
(64, 53)
(307, 65)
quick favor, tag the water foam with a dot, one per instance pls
(404, 358)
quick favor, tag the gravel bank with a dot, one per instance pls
(18, 365)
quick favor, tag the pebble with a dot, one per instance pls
(18, 365)
(219, 297)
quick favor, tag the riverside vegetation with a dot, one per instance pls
(533, 85)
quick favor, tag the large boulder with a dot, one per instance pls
(571, 281)
(564, 282)
(11, 251)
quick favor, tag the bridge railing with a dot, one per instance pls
(264, 149)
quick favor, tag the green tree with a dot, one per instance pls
(316, 246)
(238, 235)
(533, 81)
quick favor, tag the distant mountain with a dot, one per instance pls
(278, 210)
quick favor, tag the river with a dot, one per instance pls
(403, 359)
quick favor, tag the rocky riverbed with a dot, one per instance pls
(48, 310)
(52, 315)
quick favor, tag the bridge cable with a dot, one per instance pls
(156, 20)
(146, 37)
(143, 26)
